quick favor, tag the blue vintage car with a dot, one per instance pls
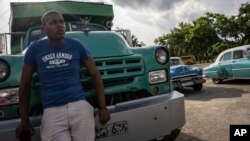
(232, 63)
(185, 75)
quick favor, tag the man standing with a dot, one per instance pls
(67, 115)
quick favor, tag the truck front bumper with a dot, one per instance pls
(143, 119)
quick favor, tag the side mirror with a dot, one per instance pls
(3, 43)
(127, 35)
(7, 40)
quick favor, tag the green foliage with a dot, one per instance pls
(176, 40)
(219, 47)
(136, 43)
(208, 35)
(243, 20)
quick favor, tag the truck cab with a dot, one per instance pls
(137, 82)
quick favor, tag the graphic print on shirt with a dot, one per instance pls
(56, 60)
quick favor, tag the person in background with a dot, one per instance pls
(67, 116)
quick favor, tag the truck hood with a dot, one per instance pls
(102, 43)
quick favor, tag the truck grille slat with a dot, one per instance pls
(107, 83)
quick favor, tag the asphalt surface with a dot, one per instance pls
(210, 112)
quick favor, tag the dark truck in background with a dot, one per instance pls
(137, 81)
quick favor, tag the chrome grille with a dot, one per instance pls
(115, 71)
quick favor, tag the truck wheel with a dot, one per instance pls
(216, 81)
(197, 87)
(174, 134)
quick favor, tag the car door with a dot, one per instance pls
(226, 64)
(240, 64)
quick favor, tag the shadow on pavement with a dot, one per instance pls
(236, 82)
(186, 137)
(214, 91)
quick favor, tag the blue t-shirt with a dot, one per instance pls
(58, 69)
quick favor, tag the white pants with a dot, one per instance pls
(71, 122)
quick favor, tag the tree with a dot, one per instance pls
(202, 36)
(137, 43)
(226, 28)
(175, 40)
(209, 35)
(243, 19)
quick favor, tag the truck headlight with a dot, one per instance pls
(161, 55)
(157, 76)
(9, 96)
(4, 70)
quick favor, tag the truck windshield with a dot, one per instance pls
(36, 33)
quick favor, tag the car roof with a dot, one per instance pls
(244, 47)
(236, 48)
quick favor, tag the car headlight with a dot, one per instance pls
(9, 96)
(161, 55)
(157, 76)
(4, 70)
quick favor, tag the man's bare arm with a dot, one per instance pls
(98, 84)
(24, 93)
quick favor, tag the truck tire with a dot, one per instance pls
(197, 87)
(174, 134)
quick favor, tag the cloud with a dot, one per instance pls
(149, 19)
(156, 5)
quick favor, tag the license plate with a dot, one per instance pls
(111, 129)
(190, 83)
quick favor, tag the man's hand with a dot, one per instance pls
(24, 127)
(104, 115)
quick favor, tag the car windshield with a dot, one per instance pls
(175, 61)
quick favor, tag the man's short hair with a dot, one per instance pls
(45, 16)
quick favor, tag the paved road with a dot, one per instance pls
(210, 112)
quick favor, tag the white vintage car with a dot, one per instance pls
(232, 63)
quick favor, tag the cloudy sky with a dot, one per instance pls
(149, 19)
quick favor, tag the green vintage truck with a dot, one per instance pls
(138, 88)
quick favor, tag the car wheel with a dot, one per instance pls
(216, 81)
(197, 87)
